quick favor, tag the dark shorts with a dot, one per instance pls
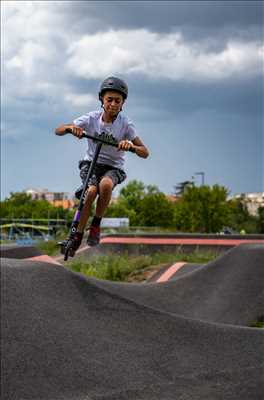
(100, 171)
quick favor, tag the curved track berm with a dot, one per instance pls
(73, 338)
(19, 252)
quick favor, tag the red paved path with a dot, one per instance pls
(44, 258)
(168, 241)
(170, 272)
(164, 241)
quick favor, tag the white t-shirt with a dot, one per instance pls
(122, 128)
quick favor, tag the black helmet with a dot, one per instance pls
(113, 83)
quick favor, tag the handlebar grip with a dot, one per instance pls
(69, 130)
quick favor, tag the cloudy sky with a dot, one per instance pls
(195, 76)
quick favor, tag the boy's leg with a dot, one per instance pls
(76, 238)
(90, 197)
(105, 192)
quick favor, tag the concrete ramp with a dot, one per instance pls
(26, 253)
(19, 252)
(228, 290)
(73, 338)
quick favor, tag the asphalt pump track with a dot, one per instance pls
(69, 337)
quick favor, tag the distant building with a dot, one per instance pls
(57, 199)
(252, 200)
(172, 197)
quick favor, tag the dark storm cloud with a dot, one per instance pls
(194, 18)
(38, 92)
(165, 99)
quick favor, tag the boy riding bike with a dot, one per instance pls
(109, 170)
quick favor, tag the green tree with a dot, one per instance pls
(202, 209)
(143, 205)
(183, 217)
(131, 197)
(21, 205)
(156, 210)
(239, 217)
(133, 193)
(120, 209)
(260, 222)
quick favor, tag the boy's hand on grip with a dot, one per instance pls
(125, 145)
(75, 131)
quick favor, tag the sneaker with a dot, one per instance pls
(94, 236)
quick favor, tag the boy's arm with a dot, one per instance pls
(140, 149)
(136, 144)
(76, 130)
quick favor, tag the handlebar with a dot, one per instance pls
(104, 138)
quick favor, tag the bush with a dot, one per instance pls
(51, 247)
(118, 268)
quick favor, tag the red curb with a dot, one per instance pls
(44, 258)
(140, 240)
(170, 272)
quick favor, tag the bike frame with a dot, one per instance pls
(77, 214)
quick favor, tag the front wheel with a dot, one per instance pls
(69, 250)
(66, 249)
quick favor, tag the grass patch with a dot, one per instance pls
(195, 257)
(121, 267)
(110, 267)
(259, 323)
(50, 247)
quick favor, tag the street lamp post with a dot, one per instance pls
(202, 175)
